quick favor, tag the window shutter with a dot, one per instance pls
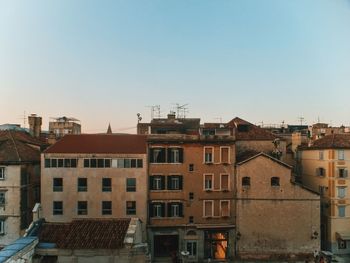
(345, 173)
(162, 157)
(162, 182)
(151, 154)
(180, 182)
(181, 210)
(169, 182)
(181, 155)
(163, 209)
(169, 210)
(150, 210)
(151, 183)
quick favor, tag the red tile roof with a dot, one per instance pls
(100, 143)
(19, 146)
(252, 132)
(333, 141)
(86, 233)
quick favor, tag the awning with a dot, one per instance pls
(343, 235)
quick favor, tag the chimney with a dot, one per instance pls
(34, 125)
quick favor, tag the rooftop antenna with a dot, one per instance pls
(155, 111)
(24, 118)
(181, 110)
(301, 119)
(218, 118)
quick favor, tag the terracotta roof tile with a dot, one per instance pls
(86, 233)
(247, 131)
(100, 143)
(19, 146)
(333, 141)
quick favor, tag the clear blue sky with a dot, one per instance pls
(104, 61)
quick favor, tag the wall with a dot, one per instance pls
(274, 220)
(260, 146)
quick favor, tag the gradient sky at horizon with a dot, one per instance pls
(105, 61)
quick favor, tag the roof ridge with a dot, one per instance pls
(14, 144)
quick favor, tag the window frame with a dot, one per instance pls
(275, 181)
(2, 198)
(82, 188)
(130, 210)
(57, 188)
(342, 211)
(57, 210)
(228, 182)
(228, 208)
(211, 154)
(204, 208)
(2, 226)
(82, 211)
(341, 191)
(205, 188)
(130, 188)
(106, 188)
(2, 173)
(228, 154)
(341, 155)
(108, 210)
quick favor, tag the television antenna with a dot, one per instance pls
(155, 111)
(301, 119)
(181, 110)
(24, 118)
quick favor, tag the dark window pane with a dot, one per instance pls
(131, 185)
(106, 184)
(82, 208)
(47, 163)
(86, 163)
(57, 184)
(73, 163)
(57, 207)
(67, 163)
(107, 162)
(59, 162)
(53, 162)
(139, 163)
(82, 184)
(100, 163)
(133, 163)
(93, 163)
(106, 207)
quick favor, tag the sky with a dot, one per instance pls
(105, 61)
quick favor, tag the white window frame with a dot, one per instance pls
(212, 208)
(175, 210)
(2, 173)
(341, 191)
(191, 254)
(175, 154)
(157, 183)
(228, 208)
(228, 154)
(321, 155)
(205, 156)
(205, 188)
(340, 212)
(341, 155)
(157, 210)
(345, 173)
(228, 182)
(175, 182)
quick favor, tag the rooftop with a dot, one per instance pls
(333, 141)
(100, 143)
(85, 233)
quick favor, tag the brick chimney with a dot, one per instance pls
(34, 125)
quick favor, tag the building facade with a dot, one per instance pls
(19, 182)
(324, 167)
(275, 217)
(95, 176)
(63, 125)
(191, 196)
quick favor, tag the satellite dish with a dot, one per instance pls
(185, 253)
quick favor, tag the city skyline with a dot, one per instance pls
(103, 63)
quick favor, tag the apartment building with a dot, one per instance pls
(19, 182)
(95, 176)
(276, 218)
(324, 167)
(61, 126)
(191, 196)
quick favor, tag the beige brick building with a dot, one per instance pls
(275, 217)
(95, 176)
(324, 167)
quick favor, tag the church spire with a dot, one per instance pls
(109, 130)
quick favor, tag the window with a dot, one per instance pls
(157, 182)
(82, 184)
(341, 155)
(57, 207)
(106, 207)
(208, 182)
(174, 155)
(208, 208)
(57, 184)
(106, 185)
(341, 244)
(47, 163)
(208, 154)
(246, 181)
(175, 210)
(225, 154)
(86, 163)
(191, 195)
(320, 155)
(59, 163)
(190, 219)
(157, 210)
(67, 163)
(275, 181)
(82, 208)
(157, 155)
(2, 198)
(93, 163)
(124, 163)
(225, 208)
(320, 171)
(2, 173)
(175, 182)
(54, 163)
(2, 226)
(191, 167)
(341, 211)
(131, 184)
(341, 192)
(131, 207)
(224, 182)
(191, 247)
(342, 173)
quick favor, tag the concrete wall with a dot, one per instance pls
(274, 220)
(94, 196)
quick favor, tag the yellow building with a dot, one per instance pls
(323, 167)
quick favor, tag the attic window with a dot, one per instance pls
(275, 181)
(243, 127)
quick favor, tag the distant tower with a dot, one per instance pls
(109, 130)
(34, 125)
